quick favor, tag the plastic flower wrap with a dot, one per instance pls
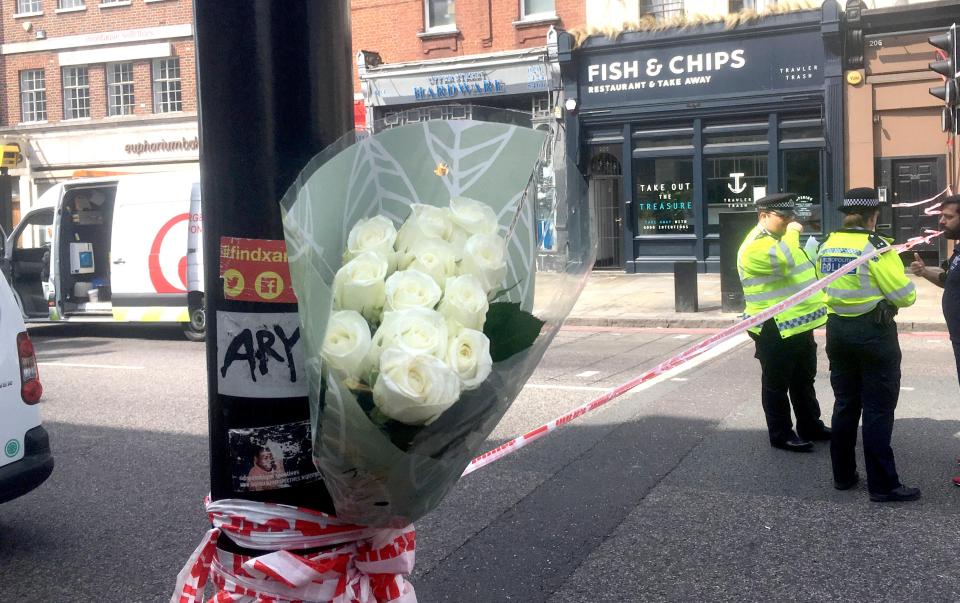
(413, 253)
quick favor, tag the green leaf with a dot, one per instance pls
(510, 329)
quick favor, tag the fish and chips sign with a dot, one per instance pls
(745, 65)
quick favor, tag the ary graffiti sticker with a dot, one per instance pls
(260, 355)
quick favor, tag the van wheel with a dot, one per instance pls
(196, 329)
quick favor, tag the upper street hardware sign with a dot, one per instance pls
(633, 75)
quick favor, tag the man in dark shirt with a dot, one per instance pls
(947, 277)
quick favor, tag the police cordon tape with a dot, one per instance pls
(930, 210)
(361, 565)
(686, 355)
(368, 565)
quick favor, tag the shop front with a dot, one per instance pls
(55, 153)
(676, 128)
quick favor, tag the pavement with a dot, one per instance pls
(648, 300)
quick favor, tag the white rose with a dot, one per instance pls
(377, 234)
(411, 289)
(359, 285)
(484, 256)
(464, 303)
(434, 257)
(473, 216)
(424, 222)
(414, 389)
(415, 331)
(469, 357)
(346, 342)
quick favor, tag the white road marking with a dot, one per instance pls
(572, 388)
(718, 350)
(96, 366)
(713, 352)
(588, 373)
(683, 336)
(907, 389)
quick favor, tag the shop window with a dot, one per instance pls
(29, 7)
(439, 15)
(33, 95)
(605, 163)
(167, 92)
(802, 174)
(76, 93)
(672, 138)
(663, 195)
(735, 133)
(731, 183)
(534, 9)
(662, 9)
(120, 88)
(801, 129)
(735, 6)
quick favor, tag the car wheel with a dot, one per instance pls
(196, 329)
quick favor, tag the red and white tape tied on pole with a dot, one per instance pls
(361, 565)
(688, 354)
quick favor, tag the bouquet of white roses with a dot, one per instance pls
(412, 252)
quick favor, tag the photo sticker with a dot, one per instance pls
(271, 458)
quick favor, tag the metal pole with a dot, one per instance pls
(274, 84)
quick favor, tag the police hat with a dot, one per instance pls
(859, 198)
(784, 203)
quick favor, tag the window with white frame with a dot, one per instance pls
(71, 3)
(735, 6)
(120, 88)
(662, 9)
(76, 93)
(29, 6)
(33, 95)
(439, 14)
(531, 9)
(167, 90)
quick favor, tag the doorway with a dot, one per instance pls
(604, 191)
(915, 180)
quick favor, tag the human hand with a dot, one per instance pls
(917, 266)
(795, 226)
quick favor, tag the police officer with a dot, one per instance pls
(863, 348)
(772, 267)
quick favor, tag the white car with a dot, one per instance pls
(25, 459)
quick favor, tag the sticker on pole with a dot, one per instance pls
(272, 457)
(260, 355)
(255, 270)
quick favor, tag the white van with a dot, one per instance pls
(115, 248)
(25, 459)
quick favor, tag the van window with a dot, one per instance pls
(37, 231)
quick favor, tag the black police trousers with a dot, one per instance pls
(788, 367)
(865, 375)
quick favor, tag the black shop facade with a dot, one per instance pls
(676, 128)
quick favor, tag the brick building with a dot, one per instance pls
(97, 85)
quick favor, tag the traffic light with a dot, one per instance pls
(947, 67)
(11, 155)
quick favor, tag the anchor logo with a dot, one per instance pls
(737, 188)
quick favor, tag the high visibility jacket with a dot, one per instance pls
(859, 291)
(772, 269)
